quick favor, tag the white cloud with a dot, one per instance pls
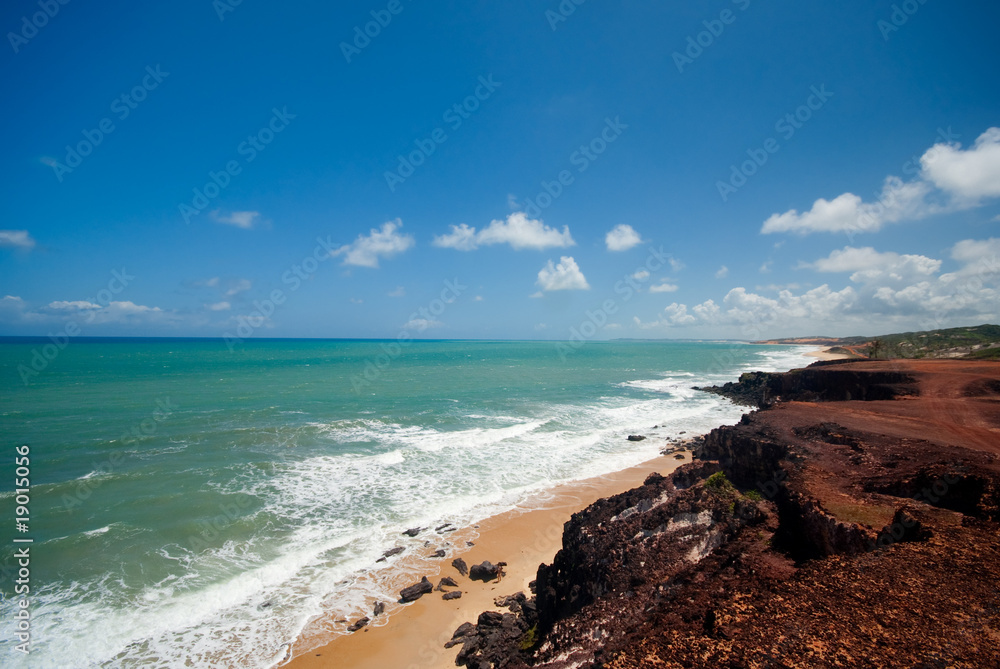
(722, 272)
(664, 288)
(622, 238)
(400, 291)
(951, 179)
(641, 275)
(848, 213)
(870, 266)
(777, 287)
(219, 306)
(421, 324)
(675, 264)
(461, 238)
(765, 268)
(895, 291)
(355, 300)
(367, 249)
(477, 298)
(239, 286)
(971, 251)
(208, 283)
(16, 239)
(519, 231)
(969, 175)
(563, 276)
(239, 219)
(537, 295)
(75, 305)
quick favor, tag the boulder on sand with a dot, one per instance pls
(486, 571)
(416, 591)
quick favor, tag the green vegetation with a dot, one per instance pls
(981, 342)
(931, 344)
(718, 483)
(754, 496)
(530, 638)
(985, 354)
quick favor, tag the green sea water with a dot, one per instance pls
(196, 506)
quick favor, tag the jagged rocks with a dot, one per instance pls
(447, 581)
(363, 622)
(415, 592)
(379, 609)
(487, 571)
(456, 594)
(413, 531)
(636, 437)
(459, 564)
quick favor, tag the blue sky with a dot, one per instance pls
(732, 169)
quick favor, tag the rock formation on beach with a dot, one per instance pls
(853, 521)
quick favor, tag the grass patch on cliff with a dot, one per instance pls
(530, 638)
(718, 483)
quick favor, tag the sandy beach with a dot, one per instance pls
(414, 637)
(826, 354)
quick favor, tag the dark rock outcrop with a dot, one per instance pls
(447, 581)
(363, 622)
(459, 564)
(854, 525)
(636, 437)
(416, 591)
(455, 594)
(486, 571)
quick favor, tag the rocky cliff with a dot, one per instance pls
(853, 522)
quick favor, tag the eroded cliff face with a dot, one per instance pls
(854, 532)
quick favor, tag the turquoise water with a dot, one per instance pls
(192, 506)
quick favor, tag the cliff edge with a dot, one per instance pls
(853, 521)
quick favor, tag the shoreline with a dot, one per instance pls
(826, 354)
(414, 636)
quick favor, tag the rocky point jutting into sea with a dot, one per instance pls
(853, 520)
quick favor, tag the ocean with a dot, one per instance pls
(196, 506)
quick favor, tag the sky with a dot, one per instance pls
(566, 170)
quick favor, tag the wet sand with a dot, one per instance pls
(414, 637)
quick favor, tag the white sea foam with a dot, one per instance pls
(321, 521)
